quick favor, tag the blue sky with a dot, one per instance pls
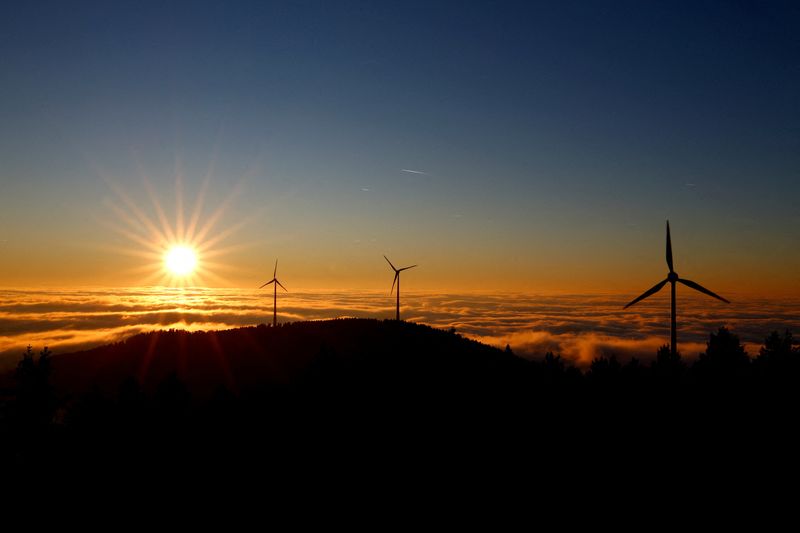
(555, 137)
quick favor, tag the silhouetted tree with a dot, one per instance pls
(605, 370)
(778, 349)
(35, 400)
(553, 362)
(724, 359)
(633, 372)
(668, 370)
(554, 369)
(778, 364)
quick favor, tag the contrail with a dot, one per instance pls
(413, 171)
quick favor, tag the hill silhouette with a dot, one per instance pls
(361, 352)
(310, 395)
(248, 391)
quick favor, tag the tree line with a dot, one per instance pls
(436, 386)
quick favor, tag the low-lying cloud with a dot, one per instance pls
(579, 327)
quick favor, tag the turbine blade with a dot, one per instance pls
(275, 272)
(669, 249)
(406, 268)
(281, 286)
(396, 275)
(698, 287)
(647, 293)
(390, 263)
(267, 283)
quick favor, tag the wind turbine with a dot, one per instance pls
(672, 277)
(397, 280)
(275, 283)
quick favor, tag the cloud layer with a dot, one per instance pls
(580, 327)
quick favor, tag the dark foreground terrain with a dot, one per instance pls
(390, 398)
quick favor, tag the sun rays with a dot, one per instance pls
(174, 250)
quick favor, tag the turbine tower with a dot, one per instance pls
(397, 280)
(275, 283)
(672, 277)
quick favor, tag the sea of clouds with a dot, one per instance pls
(579, 327)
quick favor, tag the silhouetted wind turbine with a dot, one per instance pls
(672, 277)
(275, 283)
(397, 280)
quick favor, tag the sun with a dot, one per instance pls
(178, 249)
(180, 260)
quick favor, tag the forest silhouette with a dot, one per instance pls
(360, 390)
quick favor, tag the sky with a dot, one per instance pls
(502, 146)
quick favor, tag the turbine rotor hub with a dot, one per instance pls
(672, 277)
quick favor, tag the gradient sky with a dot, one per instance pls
(554, 139)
